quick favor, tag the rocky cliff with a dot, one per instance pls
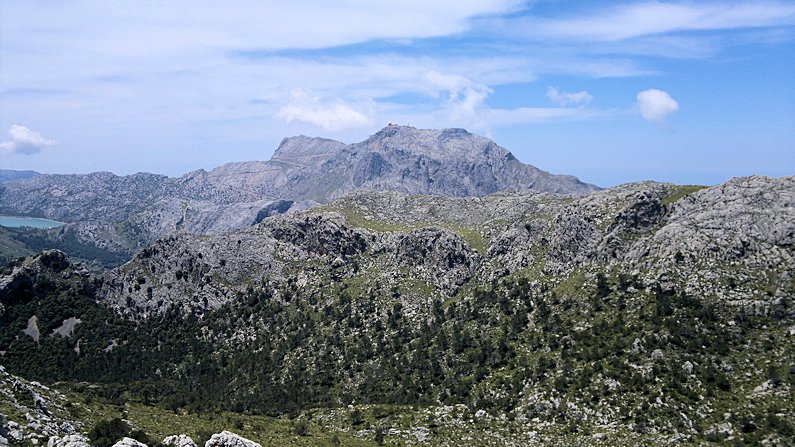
(743, 228)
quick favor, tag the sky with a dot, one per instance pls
(691, 92)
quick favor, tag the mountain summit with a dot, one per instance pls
(449, 162)
(303, 172)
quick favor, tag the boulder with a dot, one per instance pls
(229, 439)
(178, 441)
(69, 441)
(129, 442)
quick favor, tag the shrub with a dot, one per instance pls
(357, 418)
(301, 427)
(106, 433)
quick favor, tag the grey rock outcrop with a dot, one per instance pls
(43, 409)
(437, 245)
(178, 441)
(129, 442)
(229, 439)
(449, 162)
(3, 433)
(198, 274)
(69, 441)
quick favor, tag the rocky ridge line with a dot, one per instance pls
(121, 214)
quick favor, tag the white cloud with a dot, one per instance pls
(24, 141)
(650, 18)
(333, 115)
(179, 75)
(566, 98)
(466, 99)
(136, 30)
(655, 105)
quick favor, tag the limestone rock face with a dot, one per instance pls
(229, 439)
(444, 243)
(203, 273)
(746, 218)
(449, 162)
(435, 255)
(68, 441)
(178, 441)
(129, 442)
(44, 421)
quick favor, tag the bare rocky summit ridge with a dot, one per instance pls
(303, 170)
(447, 162)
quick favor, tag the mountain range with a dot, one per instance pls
(121, 214)
(503, 307)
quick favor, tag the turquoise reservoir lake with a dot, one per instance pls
(35, 222)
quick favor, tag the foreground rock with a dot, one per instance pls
(229, 439)
(178, 441)
(129, 442)
(44, 416)
(69, 441)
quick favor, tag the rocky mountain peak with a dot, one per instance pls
(303, 171)
(306, 151)
(440, 144)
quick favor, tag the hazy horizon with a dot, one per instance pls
(683, 92)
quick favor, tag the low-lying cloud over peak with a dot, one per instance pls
(24, 141)
(330, 114)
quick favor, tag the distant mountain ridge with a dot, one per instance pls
(447, 162)
(302, 173)
(10, 175)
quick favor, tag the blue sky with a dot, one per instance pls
(612, 92)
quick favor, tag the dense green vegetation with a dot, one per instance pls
(18, 242)
(11, 248)
(652, 360)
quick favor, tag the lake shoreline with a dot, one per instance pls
(29, 222)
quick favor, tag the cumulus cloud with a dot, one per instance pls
(24, 141)
(331, 115)
(655, 105)
(566, 98)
